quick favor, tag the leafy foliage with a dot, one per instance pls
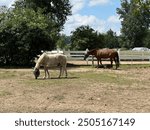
(111, 40)
(55, 10)
(146, 39)
(28, 28)
(23, 35)
(85, 37)
(135, 16)
(64, 42)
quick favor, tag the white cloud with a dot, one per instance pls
(77, 5)
(77, 20)
(6, 2)
(98, 2)
(2, 1)
(11, 3)
(100, 25)
(114, 19)
(113, 23)
(97, 24)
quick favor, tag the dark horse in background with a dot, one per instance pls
(104, 53)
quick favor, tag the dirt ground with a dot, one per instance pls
(86, 89)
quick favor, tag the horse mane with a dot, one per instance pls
(90, 51)
(40, 60)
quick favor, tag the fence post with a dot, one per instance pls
(119, 54)
(142, 56)
(86, 53)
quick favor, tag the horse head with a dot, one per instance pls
(86, 55)
(36, 73)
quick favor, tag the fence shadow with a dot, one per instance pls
(76, 65)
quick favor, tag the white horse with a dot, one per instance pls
(50, 60)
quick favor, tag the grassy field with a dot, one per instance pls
(86, 89)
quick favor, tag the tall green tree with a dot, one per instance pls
(135, 20)
(27, 28)
(146, 39)
(55, 10)
(111, 40)
(23, 34)
(86, 37)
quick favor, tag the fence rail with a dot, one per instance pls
(123, 55)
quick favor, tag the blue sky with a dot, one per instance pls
(98, 14)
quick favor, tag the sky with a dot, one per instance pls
(98, 14)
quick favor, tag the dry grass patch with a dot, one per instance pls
(86, 89)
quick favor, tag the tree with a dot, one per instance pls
(55, 10)
(64, 42)
(26, 29)
(146, 39)
(23, 35)
(111, 40)
(135, 16)
(85, 37)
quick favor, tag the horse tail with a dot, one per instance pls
(117, 60)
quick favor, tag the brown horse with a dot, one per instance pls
(104, 53)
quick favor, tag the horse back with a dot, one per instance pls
(62, 59)
(50, 60)
(106, 53)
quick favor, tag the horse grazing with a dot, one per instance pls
(104, 53)
(50, 60)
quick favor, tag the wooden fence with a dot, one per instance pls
(123, 55)
(128, 55)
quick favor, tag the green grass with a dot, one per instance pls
(83, 79)
(106, 77)
(134, 66)
(7, 74)
(4, 93)
(76, 78)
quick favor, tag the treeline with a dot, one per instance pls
(30, 26)
(86, 37)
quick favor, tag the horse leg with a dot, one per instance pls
(101, 62)
(97, 63)
(48, 73)
(45, 72)
(60, 72)
(111, 61)
(65, 69)
(115, 62)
